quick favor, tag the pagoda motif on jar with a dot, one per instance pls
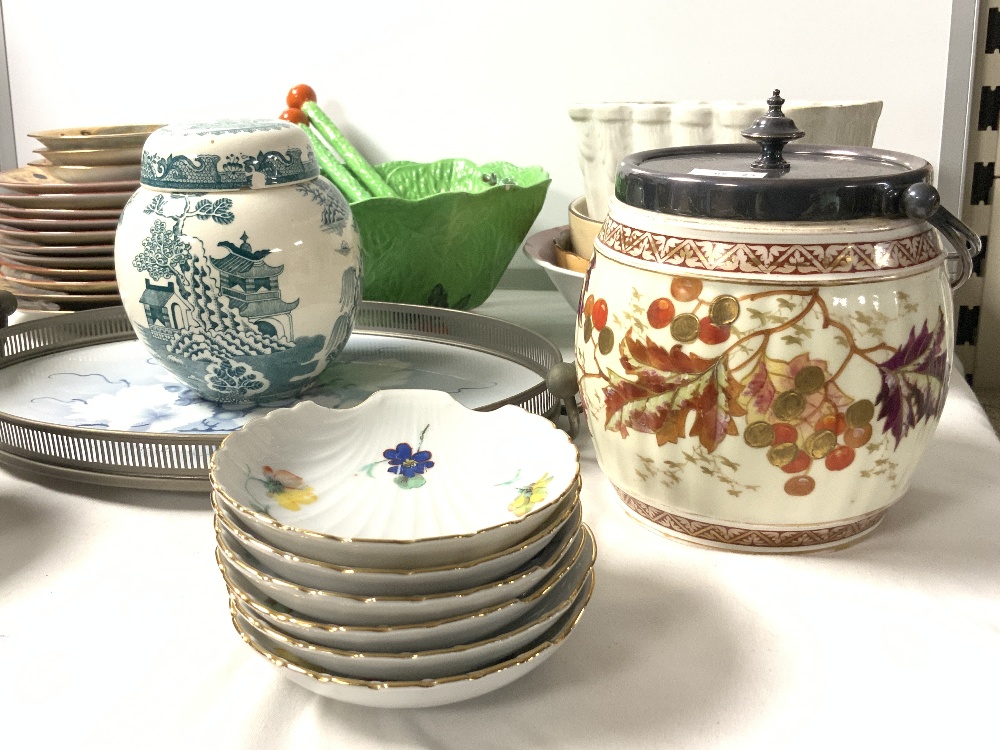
(243, 280)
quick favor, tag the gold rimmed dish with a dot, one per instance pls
(408, 556)
(405, 582)
(416, 693)
(445, 632)
(352, 609)
(398, 481)
(439, 662)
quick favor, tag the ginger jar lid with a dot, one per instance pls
(770, 180)
(227, 155)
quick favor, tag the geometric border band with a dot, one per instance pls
(715, 533)
(785, 260)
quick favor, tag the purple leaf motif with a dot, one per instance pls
(914, 381)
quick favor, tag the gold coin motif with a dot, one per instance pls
(859, 413)
(724, 310)
(809, 379)
(684, 328)
(788, 405)
(820, 443)
(759, 434)
(782, 454)
(606, 340)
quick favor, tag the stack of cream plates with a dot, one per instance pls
(406, 552)
(58, 216)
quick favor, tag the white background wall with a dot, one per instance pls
(484, 80)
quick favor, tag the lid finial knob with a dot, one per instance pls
(772, 132)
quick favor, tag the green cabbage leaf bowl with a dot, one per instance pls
(451, 234)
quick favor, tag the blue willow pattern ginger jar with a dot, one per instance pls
(239, 265)
(763, 346)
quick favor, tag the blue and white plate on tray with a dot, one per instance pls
(407, 478)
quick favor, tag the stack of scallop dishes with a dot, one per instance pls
(406, 552)
(59, 213)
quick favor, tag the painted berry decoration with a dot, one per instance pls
(710, 333)
(599, 314)
(801, 462)
(801, 410)
(800, 486)
(855, 437)
(785, 433)
(835, 423)
(660, 313)
(684, 289)
(840, 458)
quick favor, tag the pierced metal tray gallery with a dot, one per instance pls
(81, 399)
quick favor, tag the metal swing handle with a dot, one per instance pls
(922, 201)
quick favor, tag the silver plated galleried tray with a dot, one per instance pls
(81, 399)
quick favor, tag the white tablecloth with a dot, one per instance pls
(115, 633)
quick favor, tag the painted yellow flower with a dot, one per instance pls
(528, 497)
(290, 490)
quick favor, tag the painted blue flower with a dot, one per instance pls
(405, 462)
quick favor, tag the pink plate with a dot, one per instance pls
(57, 225)
(52, 262)
(18, 271)
(27, 248)
(58, 238)
(63, 200)
(31, 180)
(70, 214)
(71, 287)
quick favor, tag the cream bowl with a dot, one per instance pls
(375, 582)
(415, 693)
(583, 228)
(439, 634)
(351, 609)
(400, 481)
(420, 665)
